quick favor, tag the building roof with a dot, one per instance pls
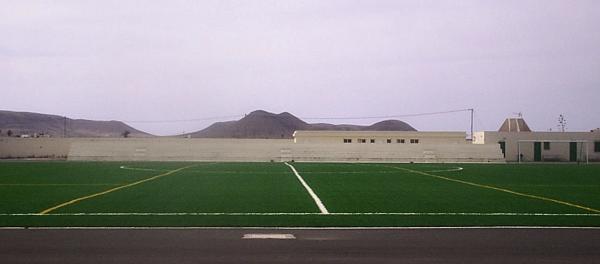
(514, 125)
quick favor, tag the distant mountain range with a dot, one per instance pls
(25, 123)
(262, 124)
(258, 124)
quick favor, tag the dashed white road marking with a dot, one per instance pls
(268, 236)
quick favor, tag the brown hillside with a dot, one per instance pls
(262, 124)
(258, 124)
(390, 125)
(35, 123)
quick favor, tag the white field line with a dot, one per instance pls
(304, 172)
(139, 169)
(346, 172)
(452, 169)
(309, 190)
(262, 172)
(60, 184)
(307, 214)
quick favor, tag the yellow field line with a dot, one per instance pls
(500, 189)
(46, 211)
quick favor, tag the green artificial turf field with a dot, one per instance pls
(170, 194)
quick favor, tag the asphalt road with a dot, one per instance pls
(309, 246)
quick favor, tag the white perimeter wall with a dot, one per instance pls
(180, 149)
(34, 147)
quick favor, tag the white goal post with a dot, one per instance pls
(565, 152)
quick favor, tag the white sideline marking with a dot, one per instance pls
(59, 184)
(138, 169)
(453, 169)
(268, 236)
(300, 214)
(309, 190)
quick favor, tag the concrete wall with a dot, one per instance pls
(557, 151)
(180, 149)
(34, 147)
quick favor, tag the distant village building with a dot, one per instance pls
(514, 125)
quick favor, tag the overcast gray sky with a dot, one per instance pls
(171, 60)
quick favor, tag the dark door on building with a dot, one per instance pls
(537, 151)
(503, 148)
(572, 151)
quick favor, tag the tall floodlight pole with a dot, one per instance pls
(472, 110)
(65, 127)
